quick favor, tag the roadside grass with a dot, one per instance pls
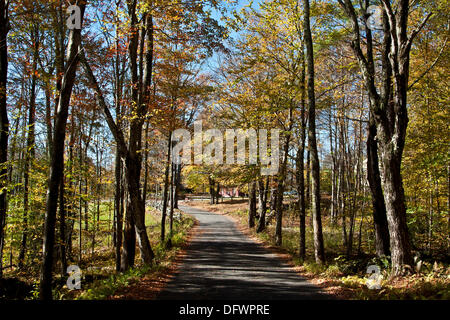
(344, 277)
(100, 280)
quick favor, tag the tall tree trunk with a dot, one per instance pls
(96, 217)
(118, 172)
(141, 96)
(57, 160)
(136, 203)
(4, 123)
(80, 203)
(378, 205)
(396, 211)
(356, 185)
(131, 153)
(281, 181)
(129, 239)
(333, 209)
(30, 151)
(144, 189)
(217, 193)
(363, 207)
(315, 166)
(48, 121)
(390, 112)
(300, 178)
(300, 163)
(86, 200)
(251, 204)
(62, 228)
(211, 190)
(273, 202)
(172, 191)
(71, 203)
(308, 178)
(341, 192)
(262, 199)
(430, 218)
(177, 184)
(118, 196)
(279, 211)
(166, 188)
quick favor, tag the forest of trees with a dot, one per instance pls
(87, 118)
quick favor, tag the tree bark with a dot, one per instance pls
(378, 205)
(281, 181)
(71, 205)
(262, 199)
(333, 209)
(166, 188)
(273, 202)
(4, 122)
(118, 172)
(172, 191)
(118, 196)
(145, 184)
(217, 192)
(300, 164)
(29, 152)
(300, 178)
(62, 228)
(279, 212)
(129, 240)
(315, 166)
(308, 178)
(252, 204)
(131, 153)
(57, 160)
(177, 184)
(80, 203)
(390, 113)
(211, 190)
(140, 95)
(137, 206)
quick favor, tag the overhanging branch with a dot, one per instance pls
(117, 133)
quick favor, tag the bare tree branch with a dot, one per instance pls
(417, 30)
(117, 133)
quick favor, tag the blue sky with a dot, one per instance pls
(235, 5)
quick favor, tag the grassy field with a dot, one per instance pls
(106, 284)
(99, 278)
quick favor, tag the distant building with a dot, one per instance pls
(230, 192)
